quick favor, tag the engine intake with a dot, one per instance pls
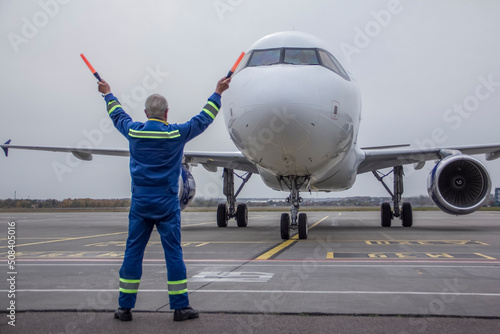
(459, 184)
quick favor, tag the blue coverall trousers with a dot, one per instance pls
(154, 206)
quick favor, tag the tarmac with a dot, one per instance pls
(350, 275)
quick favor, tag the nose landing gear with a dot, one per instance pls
(294, 220)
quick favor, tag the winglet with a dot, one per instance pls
(6, 149)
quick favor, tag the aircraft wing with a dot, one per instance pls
(209, 160)
(376, 159)
(212, 160)
(81, 153)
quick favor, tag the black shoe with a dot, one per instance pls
(124, 314)
(187, 313)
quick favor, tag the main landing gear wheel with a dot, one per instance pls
(242, 215)
(405, 211)
(386, 214)
(229, 210)
(222, 215)
(285, 226)
(303, 227)
(407, 215)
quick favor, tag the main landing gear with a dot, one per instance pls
(405, 213)
(297, 221)
(229, 209)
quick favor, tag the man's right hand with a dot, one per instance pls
(104, 87)
(222, 85)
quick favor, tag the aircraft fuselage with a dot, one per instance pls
(292, 111)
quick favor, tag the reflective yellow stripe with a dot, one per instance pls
(112, 105)
(209, 113)
(177, 287)
(180, 292)
(213, 105)
(114, 108)
(129, 285)
(211, 109)
(154, 134)
(124, 280)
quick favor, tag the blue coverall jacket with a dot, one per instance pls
(156, 151)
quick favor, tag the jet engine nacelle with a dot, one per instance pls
(459, 184)
(187, 187)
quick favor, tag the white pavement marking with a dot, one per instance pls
(197, 224)
(441, 293)
(243, 277)
(439, 265)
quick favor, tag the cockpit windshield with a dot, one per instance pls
(265, 57)
(293, 56)
(300, 57)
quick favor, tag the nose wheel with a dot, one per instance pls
(294, 220)
(302, 226)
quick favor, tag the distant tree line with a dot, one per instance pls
(66, 203)
(212, 202)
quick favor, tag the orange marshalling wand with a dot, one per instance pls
(235, 65)
(91, 68)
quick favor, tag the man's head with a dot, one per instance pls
(156, 106)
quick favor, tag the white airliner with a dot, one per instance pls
(294, 111)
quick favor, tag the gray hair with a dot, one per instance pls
(156, 105)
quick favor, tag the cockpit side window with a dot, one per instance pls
(331, 63)
(301, 57)
(265, 57)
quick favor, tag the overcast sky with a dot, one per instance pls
(417, 63)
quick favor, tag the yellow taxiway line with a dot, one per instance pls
(286, 243)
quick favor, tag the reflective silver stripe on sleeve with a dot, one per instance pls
(211, 109)
(112, 105)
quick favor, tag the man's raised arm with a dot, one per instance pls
(120, 118)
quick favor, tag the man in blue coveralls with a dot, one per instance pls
(156, 151)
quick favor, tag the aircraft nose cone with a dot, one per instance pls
(273, 127)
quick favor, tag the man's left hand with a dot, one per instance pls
(104, 88)
(222, 85)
